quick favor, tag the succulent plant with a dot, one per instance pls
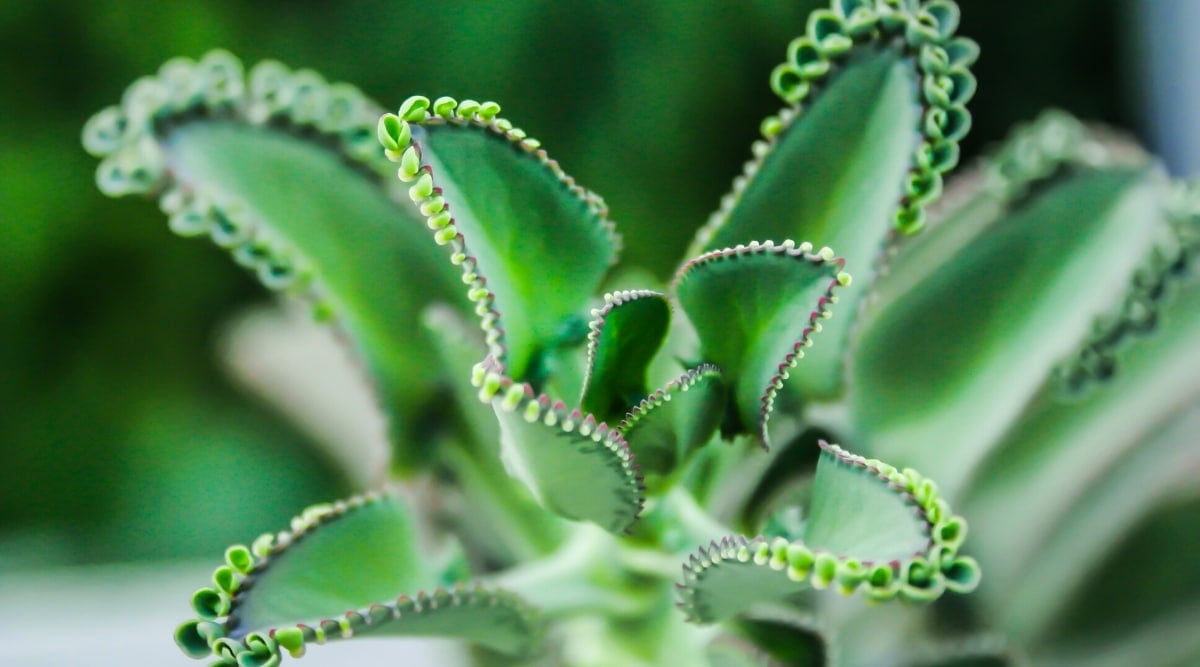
(678, 474)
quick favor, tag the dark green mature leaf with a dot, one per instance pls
(954, 358)
(626, 333)
(281, 170)
(755, 309)
(877, 97)
(533, 246)
(848, 541)
(294, 588)
(576, 466)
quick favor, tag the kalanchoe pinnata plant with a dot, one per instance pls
(657, 482)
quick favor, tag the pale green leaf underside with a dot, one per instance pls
(1067, 562)
(367, 554)
(273, 167)
(954, 359)
(541, 246)
(496, 511)
(754, 309)
(575, 466)
(975, 199)
(1061, 452)
(625, 335)
(917, 561)
(671, 423)
(834, 179)
(341, 570)
(856, 513)
(725, 579)
(372, 256)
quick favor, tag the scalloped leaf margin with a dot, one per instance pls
(215, 631)
(784, 569)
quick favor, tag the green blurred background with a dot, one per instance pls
(120, 437)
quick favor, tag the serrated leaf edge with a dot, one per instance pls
(923, 31)
(504, 393)
(664, 394)
(400, 146)
(215, 630)
(1167, 267)
(923, 577)
(792, 357)
(612, 300)
(273, 97)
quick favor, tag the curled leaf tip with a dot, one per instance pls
(872, 529)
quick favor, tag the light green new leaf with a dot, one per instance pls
(342, 570)
(755, 309)
(281, 169)
(575, 465)
(877, 111)
(533, 246)
(871, 527)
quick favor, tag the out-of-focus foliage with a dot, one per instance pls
(108, 408)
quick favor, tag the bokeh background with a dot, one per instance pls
(116, 416)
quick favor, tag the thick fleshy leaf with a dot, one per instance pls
(877, 112)
(977, 198)
(626, 333)
(295, 587)
(575, 466)
(755, 308)
(1112, 436)
(917, 562)
(667, 426)
(955, 357)
(1066, 562)
(854, 511)
(281, 169)
(533, 246)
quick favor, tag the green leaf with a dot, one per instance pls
(1070, 544)
(788, 639)
(848, 542)
(1167, 639)
(281, 169)
(755, 309)
(575, 465)
(955, 357)
(532, 245)
(1119, 435)
(853, 513)
(490, 511)
(295, 587)
(626, 333)
(877, 112)
(668, 425)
